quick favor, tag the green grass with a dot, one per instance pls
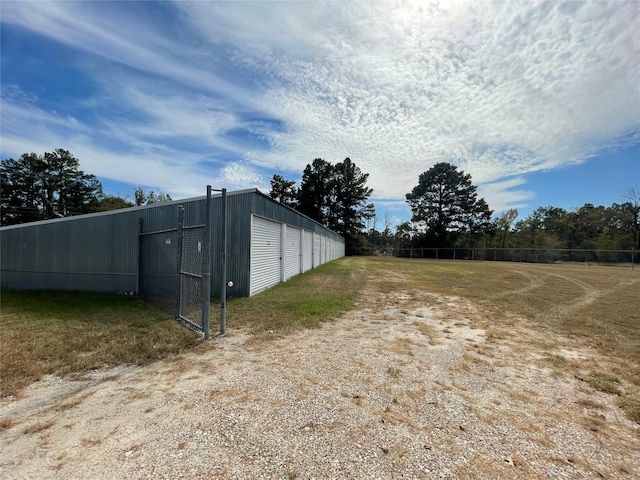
(46, 332)
(305, 301)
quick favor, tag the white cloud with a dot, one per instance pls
(239, 175)
(504, 194)
(499, 88)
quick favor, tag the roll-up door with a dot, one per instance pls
(323, 249)
(265, 254)
(292, 252)
(307, 251)
(316, 250)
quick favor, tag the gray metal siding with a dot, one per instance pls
(88, 253)
(239, 207)
(100, 251)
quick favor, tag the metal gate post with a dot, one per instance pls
(223, 286)
(140, 253)
(179, 261)
(206, 268)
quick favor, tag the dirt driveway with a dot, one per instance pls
(404, 387)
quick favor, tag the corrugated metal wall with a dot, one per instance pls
(99, 252)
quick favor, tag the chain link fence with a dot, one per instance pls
(628, 258)
(190, 305)
(175, 270)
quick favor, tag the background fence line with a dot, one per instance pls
(530, 255)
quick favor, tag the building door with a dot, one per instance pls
(266, 254)
(292, 252)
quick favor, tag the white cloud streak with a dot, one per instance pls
(502, 89)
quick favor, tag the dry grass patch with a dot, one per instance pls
(62, 333)
(428, 331)
(6, 423)
(39, 426)
(70, 402)
(532, 306)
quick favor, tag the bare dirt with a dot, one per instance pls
(407, 386)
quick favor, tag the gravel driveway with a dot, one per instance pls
(407, 386)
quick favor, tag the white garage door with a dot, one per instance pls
(265, 254)
(316, 250)
(292, 252)
(307, 251)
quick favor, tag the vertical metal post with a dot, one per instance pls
(206, 268)
(179, 261)
(140, 252)
(223, 286)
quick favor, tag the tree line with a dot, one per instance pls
(41, 187)
(589, 227)
(446, 210)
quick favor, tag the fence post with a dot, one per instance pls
(179, 261)
(139, 271)
(223, 287)
(206, 268)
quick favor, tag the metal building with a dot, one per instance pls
(136, 249)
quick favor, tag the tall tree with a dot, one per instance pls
(333, 195)
(350, 194)
(503, 224)
(316, 190)
(445, 203)
(284, 191)
(38, 187)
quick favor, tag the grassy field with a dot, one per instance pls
(549, 308)
(566, 307)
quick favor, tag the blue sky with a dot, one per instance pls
(538, 101)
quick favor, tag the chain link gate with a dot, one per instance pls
(175, 269)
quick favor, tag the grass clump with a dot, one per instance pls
(605, 383)
(393, 371)
(61, 332)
